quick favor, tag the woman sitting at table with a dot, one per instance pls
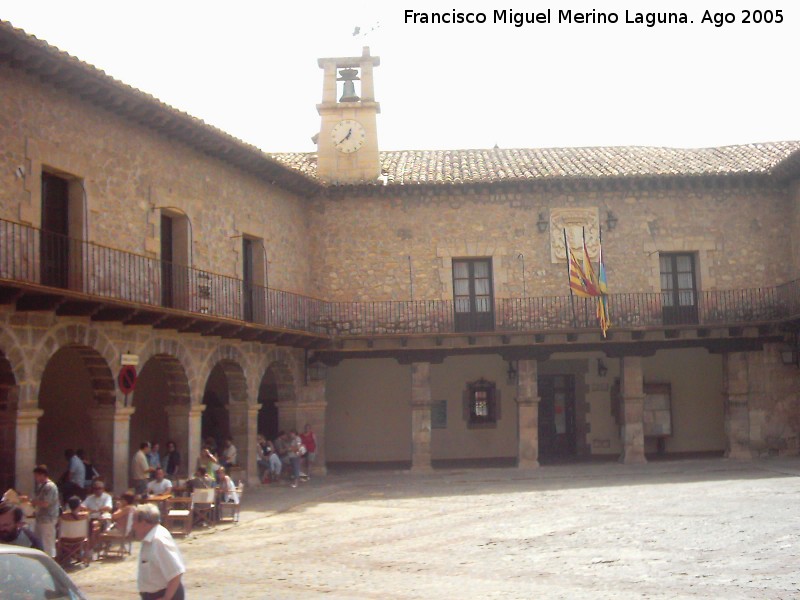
(226, 487)
(122, 518)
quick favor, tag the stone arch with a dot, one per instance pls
(15, 355)
(8, 433)
(276, 387)
(180, 360)
(75, 387)
(233, 362)
(103, 352)
(225, 396)
(290, 371)
(160, 401)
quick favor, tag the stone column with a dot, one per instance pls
(185, 428)
(244, 429)
(736, 384)
(420, 417)
(632, 411)
(25, 455)
(527, 414)
(112, 426)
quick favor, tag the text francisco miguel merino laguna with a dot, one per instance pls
(593, 17)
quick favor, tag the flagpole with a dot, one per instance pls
(569, 266)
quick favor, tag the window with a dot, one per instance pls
(472, 294)
(482, 404)
(678, 289)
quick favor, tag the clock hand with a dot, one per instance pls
(347, 137)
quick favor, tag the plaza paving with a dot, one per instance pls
(708, 528)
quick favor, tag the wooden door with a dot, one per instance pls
(54, 241)
(678, 289)
(472, 295)
(557, 431)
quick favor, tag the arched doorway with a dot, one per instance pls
(8, 429)
(225, 384)
(154, 392)
(76, 380)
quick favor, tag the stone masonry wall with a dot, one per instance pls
(128, 169)
(364, 243)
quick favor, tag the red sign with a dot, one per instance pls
(127, 379)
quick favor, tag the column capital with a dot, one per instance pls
(29, 416)
(177, 410)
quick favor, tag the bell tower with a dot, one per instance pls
(347, 143)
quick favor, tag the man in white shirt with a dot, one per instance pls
(99, 501)
(159, 485)
(140, 469)
(161, 565)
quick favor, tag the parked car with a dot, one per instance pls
(27, 574)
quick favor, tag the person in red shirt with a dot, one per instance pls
(310, 442)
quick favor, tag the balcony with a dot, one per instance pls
(44, 271)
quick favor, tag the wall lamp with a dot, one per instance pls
(611, 220)
(542, 224)
(602, 369)
(512, 373)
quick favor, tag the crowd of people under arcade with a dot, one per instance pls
(290, 452)
(80, 492)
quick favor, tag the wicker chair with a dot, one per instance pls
(179, 516)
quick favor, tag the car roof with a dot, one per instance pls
(13, 549)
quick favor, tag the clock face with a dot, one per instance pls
(348, 135)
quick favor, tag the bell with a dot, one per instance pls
(349, 92)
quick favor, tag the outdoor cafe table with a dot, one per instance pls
(159, 500)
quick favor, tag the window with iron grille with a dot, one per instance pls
(481, 404)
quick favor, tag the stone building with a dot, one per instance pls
(412, 306)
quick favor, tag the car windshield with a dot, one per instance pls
(24, 577)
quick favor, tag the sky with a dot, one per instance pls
(250, 68)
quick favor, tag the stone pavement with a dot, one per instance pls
(705, 528)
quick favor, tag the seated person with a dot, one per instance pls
(200, 481)
(160, 485)
(13, 529)
(122, 518)
(226, 487)
(75, 511)
(99, 502)
(228, 454)
(208, 461)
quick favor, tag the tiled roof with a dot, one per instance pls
(442, 167)
(408, 167)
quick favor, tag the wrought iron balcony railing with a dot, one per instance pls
(30, 255)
